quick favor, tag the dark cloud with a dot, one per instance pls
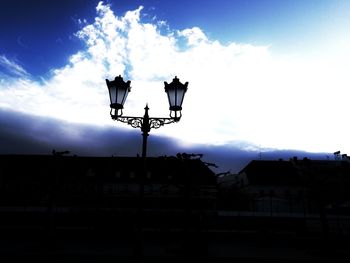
(28, 134)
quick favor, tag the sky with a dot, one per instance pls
(267, 78)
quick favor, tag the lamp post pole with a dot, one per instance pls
(145, 131)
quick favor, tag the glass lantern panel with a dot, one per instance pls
(121, 95)
(179, 97)
(172, 96)
(112, 94)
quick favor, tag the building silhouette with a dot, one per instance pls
(115, 201)
(99, 209)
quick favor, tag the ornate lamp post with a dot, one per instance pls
(118, 92)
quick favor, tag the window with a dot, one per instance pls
(149, 188)
(90, 172)
(108, 188)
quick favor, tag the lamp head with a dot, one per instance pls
(176, 93)
(118, 92)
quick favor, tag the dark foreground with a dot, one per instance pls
(110, 237)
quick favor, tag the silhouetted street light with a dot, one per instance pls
(118, 92)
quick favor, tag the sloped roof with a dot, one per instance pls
(325, 171)
(261, 172)
(111, 169)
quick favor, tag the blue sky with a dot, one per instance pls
(41, 35)
(264, 75)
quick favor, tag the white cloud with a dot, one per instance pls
(194, 36)
(237, 92)
(11, 67)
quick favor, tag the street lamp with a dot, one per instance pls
(118, 92)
